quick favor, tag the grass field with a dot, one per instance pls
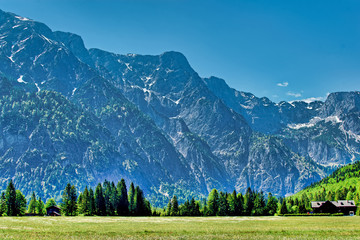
(179, 228)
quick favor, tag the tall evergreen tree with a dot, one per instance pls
(100, 207)
(69, 203)
(213, 203)
(131, 198)
(11, 199)
(223, 204)
(168, 208)
(123, 202)
(32, 204)
(3, 204)
(84, 202)
(271, 205)
(259, 204)
(174, 206)
(40, 208)
(283, 208)
(20, 204)
(92, 208)
(248, 202)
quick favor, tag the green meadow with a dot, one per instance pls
(180, 228)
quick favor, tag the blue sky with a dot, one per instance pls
(285, 50)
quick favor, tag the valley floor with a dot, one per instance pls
(179, 228)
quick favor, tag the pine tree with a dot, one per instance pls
(11, 199)
(3, 204)
(168, 208)
(40, 208)
(69, 203)
(223, 205)
(32, 204)
(92, 208)
(123, 204)
(20, 204)
(131, 198)
(283, 208)
(84, 202)
(248, 202)
(213, 203)
(139, 202)
(174, 206)
(259, 204)
(100, 207)
(271, 205)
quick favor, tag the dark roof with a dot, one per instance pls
(53, 207)
(339, 203)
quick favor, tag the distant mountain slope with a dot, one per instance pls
(342, 184)
(153, 120)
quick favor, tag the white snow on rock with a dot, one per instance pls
(37, 86)
(22, 18)
(20, 79)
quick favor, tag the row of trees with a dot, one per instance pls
(108, 199)
(253, 203)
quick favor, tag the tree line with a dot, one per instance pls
(107, 199)
(252, 203)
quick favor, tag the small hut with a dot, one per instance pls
(53, 211)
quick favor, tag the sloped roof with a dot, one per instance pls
(339, 203)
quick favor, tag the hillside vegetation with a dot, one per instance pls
(342, 184)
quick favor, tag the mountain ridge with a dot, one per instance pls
(173, 130)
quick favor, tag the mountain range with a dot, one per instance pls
(72, 114)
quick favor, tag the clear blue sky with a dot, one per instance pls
(285, 50)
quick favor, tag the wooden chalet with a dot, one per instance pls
(342, 206)
(53, 211)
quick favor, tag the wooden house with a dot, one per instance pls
(341, 206)
(53, 211)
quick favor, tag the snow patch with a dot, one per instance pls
(315, 120)
(37, 86)
(20, 79)
(128, 66)
(22, 18)
(73, 91)
(168, 70)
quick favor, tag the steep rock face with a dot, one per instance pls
(154, 121)
(45, 142)
(262, 114)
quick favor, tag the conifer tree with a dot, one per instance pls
(40, 207)
(271, 205)
(123, 202)
(20, 204)
(213, 203)
(92, 207)
(248, 202)
(131, 198)
(84, 202)
(139, 202)
(11, 199)
(32, 204)
(259, 204)
(168, 208)
(69, 201)
(223, 205)
(283, 208)
(174, 206)
(100, 207)
(3, 204)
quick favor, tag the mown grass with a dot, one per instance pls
(179, 228)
